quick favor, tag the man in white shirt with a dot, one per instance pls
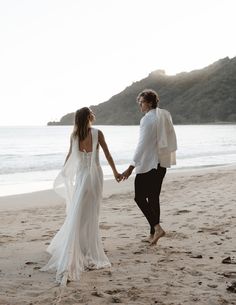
(149, 173)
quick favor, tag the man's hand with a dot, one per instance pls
(128, 172)
(118, 177)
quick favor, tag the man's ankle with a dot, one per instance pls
(158, 227)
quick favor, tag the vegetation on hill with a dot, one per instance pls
(201, 96)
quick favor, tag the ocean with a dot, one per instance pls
(30, 157)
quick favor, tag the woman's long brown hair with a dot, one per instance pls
(81, 125)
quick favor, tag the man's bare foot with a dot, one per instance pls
(148, 239)
(158, 234)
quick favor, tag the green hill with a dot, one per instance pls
(207, 95)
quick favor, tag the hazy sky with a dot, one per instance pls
(57, 56)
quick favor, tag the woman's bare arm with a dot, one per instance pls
(102, 142)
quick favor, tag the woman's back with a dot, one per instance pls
(86, 145)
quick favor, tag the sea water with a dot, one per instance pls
(30, 157)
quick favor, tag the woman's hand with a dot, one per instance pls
(118, 177)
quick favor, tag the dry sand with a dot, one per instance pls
(197, 212)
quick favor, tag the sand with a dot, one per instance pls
(185, 267)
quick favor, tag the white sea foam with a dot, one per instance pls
(30, 157)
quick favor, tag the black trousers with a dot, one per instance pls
(147, 192)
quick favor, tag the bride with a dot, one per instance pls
(77, 245)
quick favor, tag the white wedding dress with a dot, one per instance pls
(77, 245)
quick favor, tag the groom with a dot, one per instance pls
(155, 151)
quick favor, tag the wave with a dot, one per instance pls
(205, 154)
(42, 167)
(20, 155)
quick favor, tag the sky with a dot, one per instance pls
(57, 56)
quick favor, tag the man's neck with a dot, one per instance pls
(149, 110)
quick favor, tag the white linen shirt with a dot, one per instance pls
(145, 156)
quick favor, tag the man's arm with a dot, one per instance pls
(142, 144)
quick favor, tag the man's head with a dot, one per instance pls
(148, 99)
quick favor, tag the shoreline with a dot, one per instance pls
(48, 197)
(58, 124)
(46, 185)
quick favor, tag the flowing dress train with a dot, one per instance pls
(77, 245)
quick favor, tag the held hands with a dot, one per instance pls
(125, 175)
(118, 176)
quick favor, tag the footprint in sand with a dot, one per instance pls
(20, 234)
(200, 212)
(179, 212)
(139, 251)
(192, 218)
(133, 293)
(31, 263)
(176, 235)
(7, 238)
(105, 227)
(193, 272)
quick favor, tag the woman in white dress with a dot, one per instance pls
(77, 245)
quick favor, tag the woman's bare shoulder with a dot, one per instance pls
(100, 133)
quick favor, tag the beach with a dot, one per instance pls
(193, 264)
